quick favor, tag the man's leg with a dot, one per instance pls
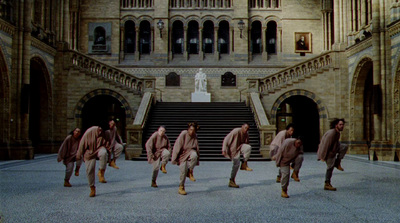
(235, 168)
(285, 170)
(246, 150)
(342, 152)
(102, 155)
(117, 150)
(90, 169)
(78, 166)
(297, 165)
(330, 165)
(165, 156)
(193, 158)
(272, 153)
(156, 167)
(183, 169)
(68, 173)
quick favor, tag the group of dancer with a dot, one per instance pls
(285, 150)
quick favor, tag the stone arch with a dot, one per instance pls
(146, 18)
(192, 18)
(322, 109)
(357, 116)
(41, 132)
(176, 18)
(5, 115)
(81, 103)
(224, 18)
(208, 18)
(256, 18)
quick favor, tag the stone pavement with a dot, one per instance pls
(368, 191)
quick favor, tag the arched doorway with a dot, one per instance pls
(104, 108)
(303, 112)
(39, 104)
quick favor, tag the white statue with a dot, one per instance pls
(200, 81)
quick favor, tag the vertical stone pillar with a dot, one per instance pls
(122, 43)
(216, 52)
(137, 51)
(278, 42)
(185, 43)
(201, 52)
(336, 19)
(66, 21)
(264, 43)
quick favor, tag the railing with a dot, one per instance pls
(110, 73)
(136, 4)
(294, 73)
(205, 4)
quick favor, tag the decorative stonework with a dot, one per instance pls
(396, 106)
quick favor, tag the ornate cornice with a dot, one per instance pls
(356, 48)
(394, 28)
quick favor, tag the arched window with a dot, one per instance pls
(193, 38)
(99, 36)
(145, 37)
(228, 79)
(208, 37)
(223, 37)
(173, 79)
(177, 37)
(271, 38)
(256, 42)
(130, 37)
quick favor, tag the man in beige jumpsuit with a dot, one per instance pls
(115, 143)
(277, 142)
(158, 150)
(236, 142)
(93, 145)
(290, 152)
(186, 154)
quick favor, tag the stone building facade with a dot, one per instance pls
(68, 63)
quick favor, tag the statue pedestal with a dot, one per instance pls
(201, 97)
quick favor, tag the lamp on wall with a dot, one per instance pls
(160, 26)
(241, 27)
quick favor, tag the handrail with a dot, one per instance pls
(143, 110)
(258, 110)
(108, 72)
(294, 73)
(157, 89)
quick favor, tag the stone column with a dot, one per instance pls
(122, 43)
(216, 52)
(278, 42)
(185, 43)
(66, 21)
(264, 43)
(201, 53)
(137, 51)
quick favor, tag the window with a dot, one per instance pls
(172, 80)
(228, 80)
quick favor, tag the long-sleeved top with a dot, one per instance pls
(279, 138)
(113, 137)
(329, 145)
(183, 146)
(90, 144)
(233, 142)
(68, 150)
(155, 145)
(287, 152)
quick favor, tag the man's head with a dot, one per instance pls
(112, 123)
(302, 38)
(76, 133)
(245, 127)
(161, 130)
(338, 124)
(192, 128)
(298, 142)
(290, 129)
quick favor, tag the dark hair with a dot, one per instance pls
(335, 121)
(72, 132)
(104, 125)
(194, 124)
(291, 125)
(300, 137)
(161, 126)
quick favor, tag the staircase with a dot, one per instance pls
(216, 120)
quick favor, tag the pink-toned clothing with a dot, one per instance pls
(68, 150)
(183, 147)
(233, 142)
(114, 137)
(155, 146)
(277, 142)
(329, 145)
(287, 153)
(90, 144)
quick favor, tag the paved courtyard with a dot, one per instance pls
(33, 191)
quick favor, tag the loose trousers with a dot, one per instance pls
(190, 163)
(165, 155)
(334, 161)
(91, 165)
(69, 168)
(285, 170)
(245, 150)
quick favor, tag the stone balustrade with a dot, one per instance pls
(294, 73)
(110, 73)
